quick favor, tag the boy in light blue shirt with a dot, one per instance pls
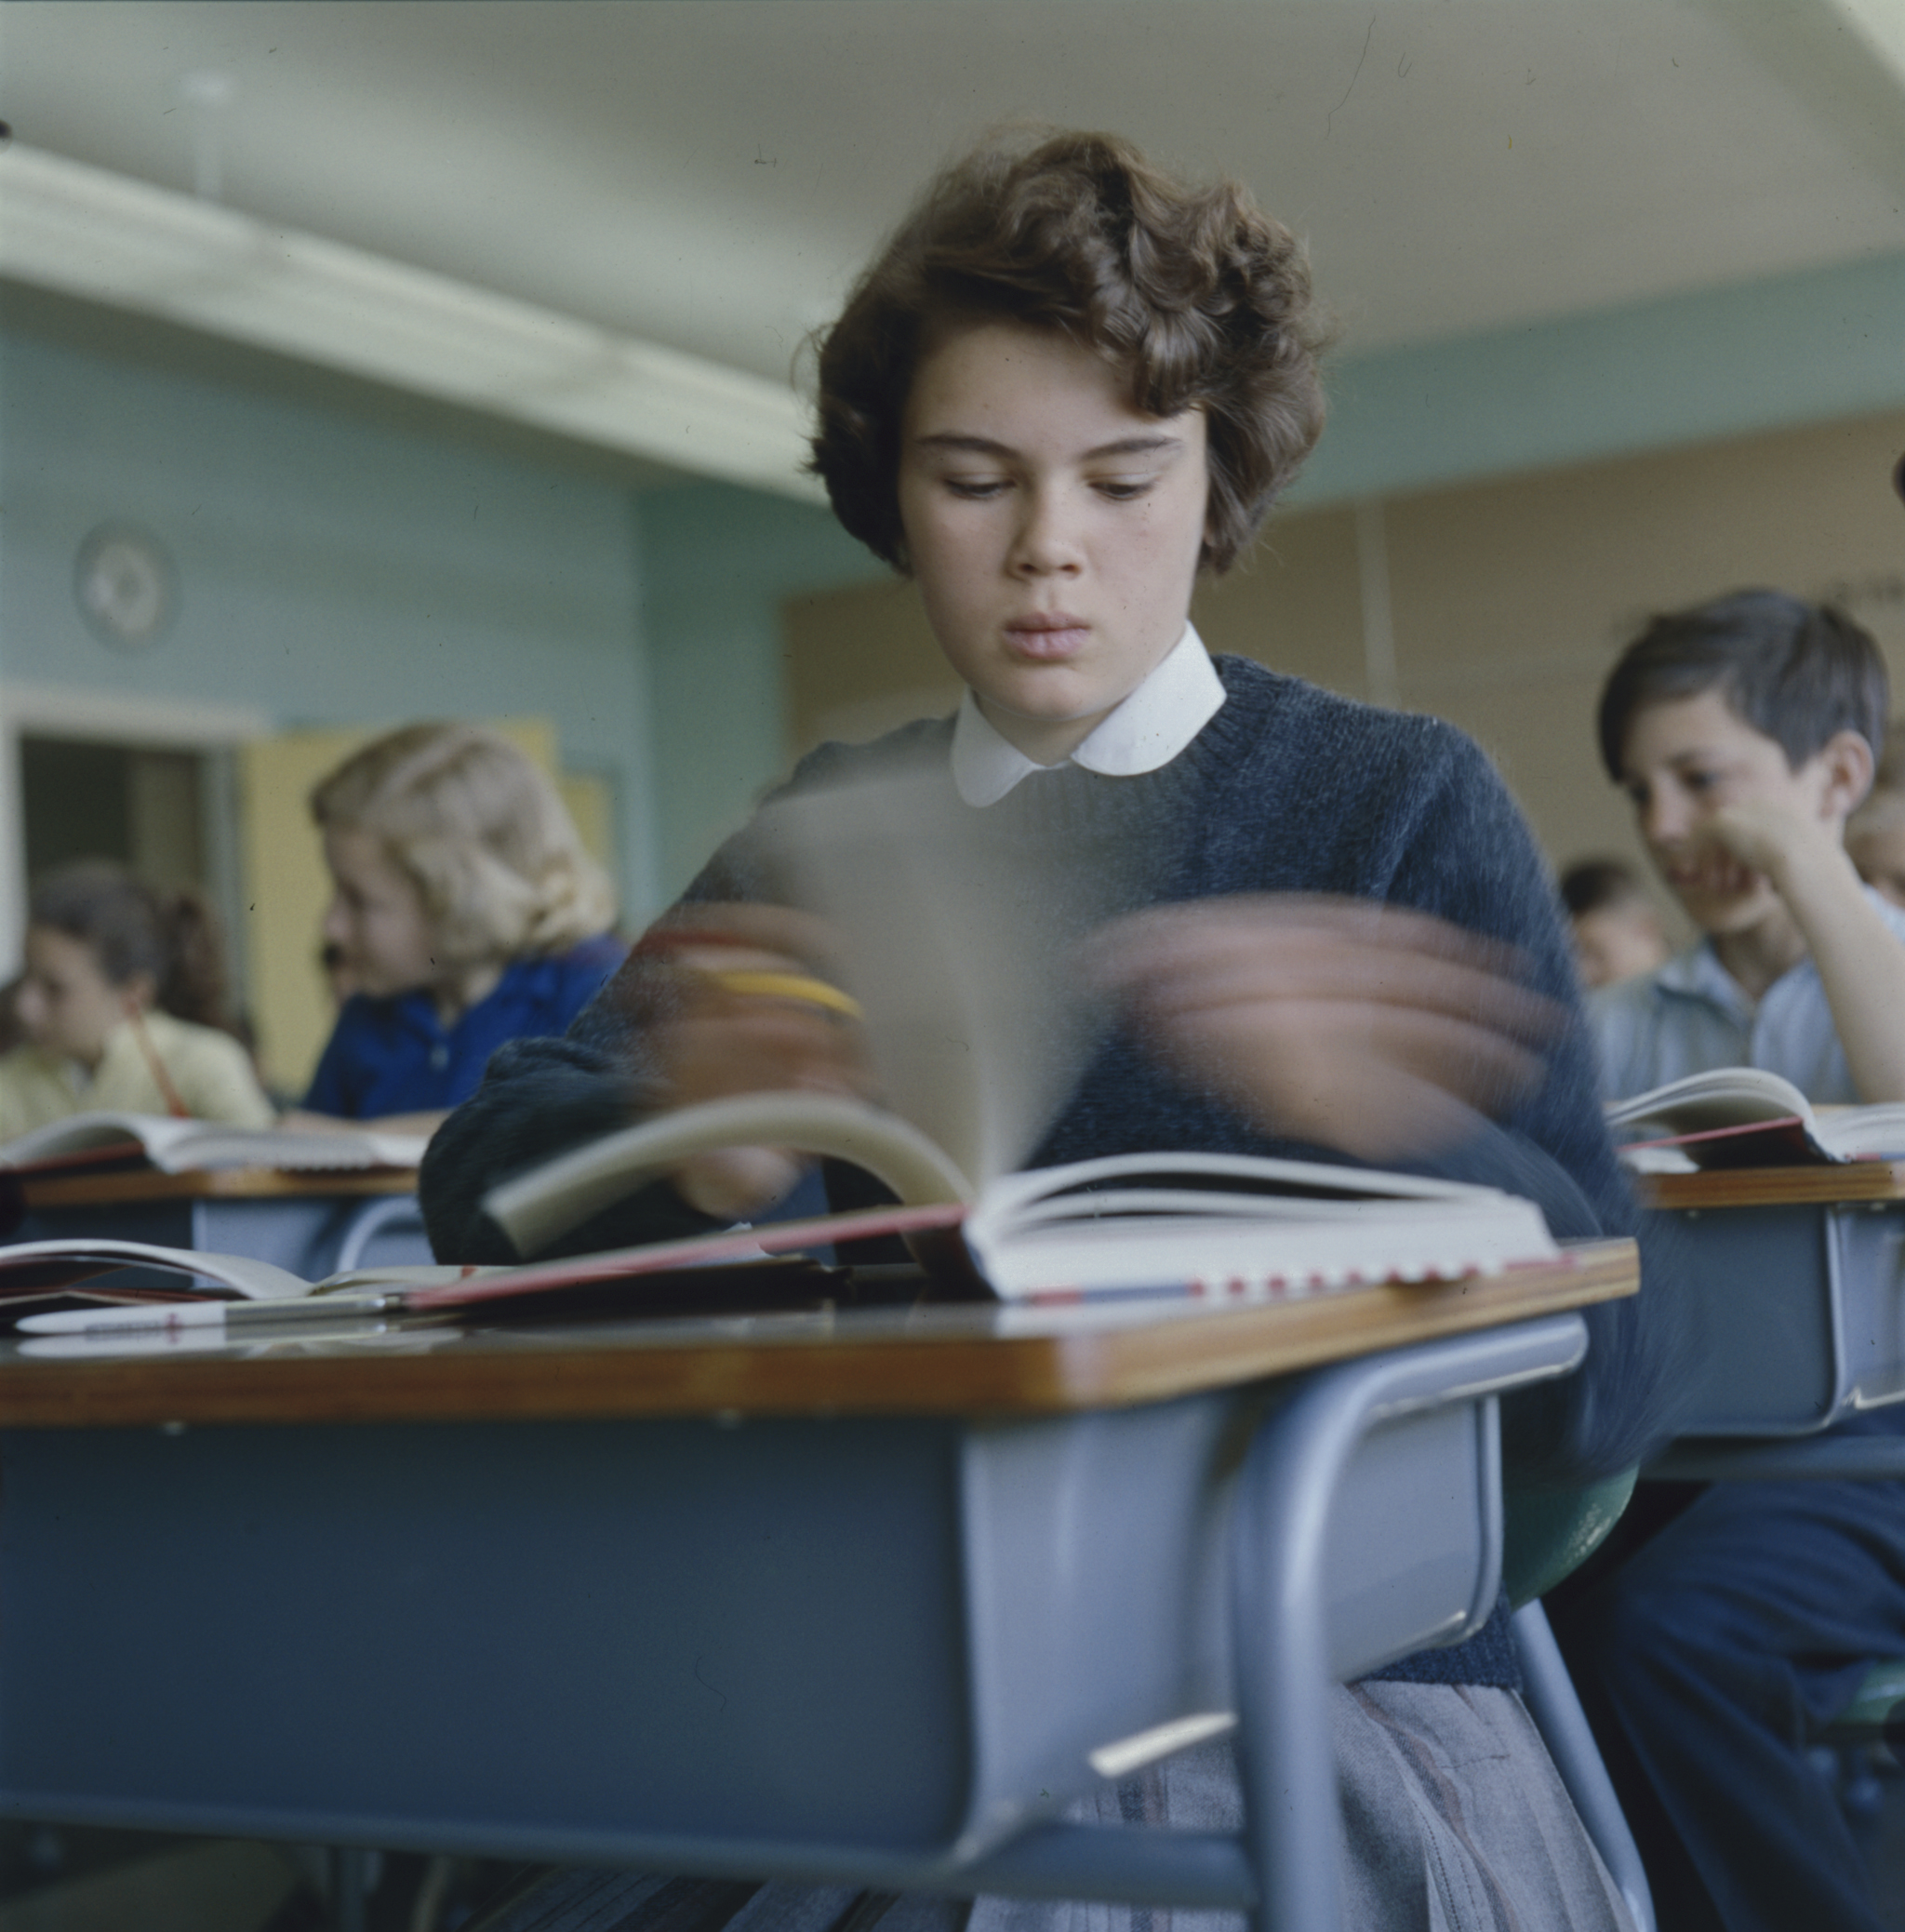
(1744, 732)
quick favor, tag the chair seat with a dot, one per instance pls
(1550, 1531)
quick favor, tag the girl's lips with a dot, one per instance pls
(1047, 642)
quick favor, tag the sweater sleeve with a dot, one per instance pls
(1472, 858)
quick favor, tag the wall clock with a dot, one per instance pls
(125, 585)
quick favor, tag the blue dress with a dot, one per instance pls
(395, 1055)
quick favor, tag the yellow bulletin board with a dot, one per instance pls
(286, 888)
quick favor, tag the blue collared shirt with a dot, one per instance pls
(1693, 1015)
(395, 1055)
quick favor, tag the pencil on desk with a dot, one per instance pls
(790, 986)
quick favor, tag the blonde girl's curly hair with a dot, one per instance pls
(481, 833)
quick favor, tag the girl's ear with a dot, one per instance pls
(138, 992)
(1848, 764)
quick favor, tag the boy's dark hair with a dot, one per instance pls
(1197, 293)
(1797, 672)
(131, 928)
(1594, 885)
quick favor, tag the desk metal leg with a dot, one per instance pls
(1564, 1726)
(1286, 1496)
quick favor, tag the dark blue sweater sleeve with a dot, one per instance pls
(1475, 861)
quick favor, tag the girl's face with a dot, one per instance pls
(1054, 529)
(376, 917)
(65, 1002)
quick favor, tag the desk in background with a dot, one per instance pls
(315, 1224)
(1798, 1277)
(865, 1598)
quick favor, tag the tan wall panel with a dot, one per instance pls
(860, 661)
(1293, 603)
(1560, 568)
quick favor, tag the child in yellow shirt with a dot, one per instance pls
(121, 1003)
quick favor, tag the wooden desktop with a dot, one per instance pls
(864, 1597)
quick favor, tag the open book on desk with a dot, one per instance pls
(108, 1142)
(1747, 1117)
(1228, 1225)
(978, 1024)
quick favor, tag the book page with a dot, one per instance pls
(976, 1024)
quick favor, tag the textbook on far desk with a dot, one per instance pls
(1747, 1117)
(103, 1142)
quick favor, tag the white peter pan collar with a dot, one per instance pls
(1149, 727)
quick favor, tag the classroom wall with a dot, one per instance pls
(717, 562)
(1508, 600)
(338, 563)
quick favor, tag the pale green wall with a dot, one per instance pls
(337, 566)
(1693, 368)
(716, 563)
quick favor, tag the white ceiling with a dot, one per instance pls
(707, 174)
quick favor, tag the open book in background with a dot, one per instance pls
(105, 1143)
(1746, 1117)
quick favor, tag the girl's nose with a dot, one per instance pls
(1046, 542)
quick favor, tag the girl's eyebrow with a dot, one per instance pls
(986, 446)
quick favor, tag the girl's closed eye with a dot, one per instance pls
(975, 489)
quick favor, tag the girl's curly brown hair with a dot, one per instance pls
(1199, 294)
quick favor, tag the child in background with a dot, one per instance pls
(123, 1005)
(1875, 832)
(1617, 925)
(1067, 386)
(1743, 730)
(464, 913)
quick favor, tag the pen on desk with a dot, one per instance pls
(235, 1317)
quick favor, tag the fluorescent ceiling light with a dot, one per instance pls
(89, 233)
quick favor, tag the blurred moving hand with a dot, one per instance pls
(1381, 1032)
(710, 1040)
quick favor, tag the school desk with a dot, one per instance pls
(865, 1597)
(315, 1224)
(1797, 1278)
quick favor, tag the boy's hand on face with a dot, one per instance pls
(1376, 1030)
(1768, 837)
(708, 1041)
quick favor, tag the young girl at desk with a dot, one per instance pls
(1066, 387)
(464, 913)
(123, 1003)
